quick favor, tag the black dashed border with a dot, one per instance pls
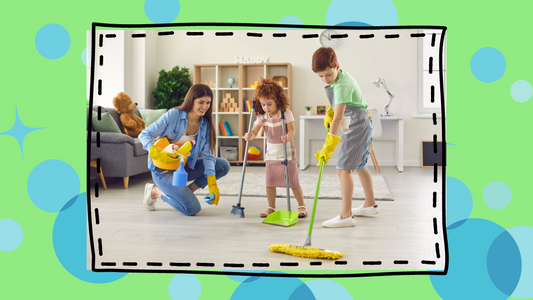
(260, 264)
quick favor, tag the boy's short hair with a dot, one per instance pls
(324, 58)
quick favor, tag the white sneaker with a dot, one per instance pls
(337, 222)
(149, 203)
(365, 211)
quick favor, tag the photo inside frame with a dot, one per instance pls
(399, 73)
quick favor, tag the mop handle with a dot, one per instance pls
(286, 162)
(246, 151)
(316, 197)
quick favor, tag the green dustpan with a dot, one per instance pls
(283, 217)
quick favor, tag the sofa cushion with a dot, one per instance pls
(151, 115)
(105, 124)
(138, 148)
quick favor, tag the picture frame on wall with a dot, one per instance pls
(321, 110)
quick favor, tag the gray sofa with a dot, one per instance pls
(120, 155)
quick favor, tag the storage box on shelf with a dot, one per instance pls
(229, 103)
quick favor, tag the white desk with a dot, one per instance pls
(312, 128)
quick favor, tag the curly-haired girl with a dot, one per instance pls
(272, 100)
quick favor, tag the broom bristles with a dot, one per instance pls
(309, 252)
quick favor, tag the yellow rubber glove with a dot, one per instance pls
(213, 189)
(162, 156)
(328, 117)
(328, 148)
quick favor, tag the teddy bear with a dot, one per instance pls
(132, 125)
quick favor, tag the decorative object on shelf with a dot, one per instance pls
(327, 41)
(228, 152)
(377, 83)
(281, 80)
(321, 110)
(308, 110)
(254, 152)
(250, 59)
(229, 104)
(228, 129)
(172, 86)
(231, 82)
(254, 85)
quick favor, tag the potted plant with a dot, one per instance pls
(308, 112)
(172, 86)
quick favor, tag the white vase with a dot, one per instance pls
(308, 112)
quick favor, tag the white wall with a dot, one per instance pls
(395, 60)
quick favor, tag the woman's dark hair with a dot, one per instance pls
(198, 91)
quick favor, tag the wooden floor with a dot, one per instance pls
(401, 237)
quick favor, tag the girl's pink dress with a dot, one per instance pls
(274, 155)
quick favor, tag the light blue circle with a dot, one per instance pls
(52, 41)
(521, 91)
(467, 276)
(504, 264)
(84, 56)
(373, 13)
(459, 202)
(10, 235)
(69, 237)
(284, 288)
(325, 289)
(523, 235)
(293, 20)
(497, 195)
(185, 286)
(487, 64)
(51, 184)
(162, 11)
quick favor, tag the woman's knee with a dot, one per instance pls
(223, 165)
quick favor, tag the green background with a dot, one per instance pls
(491, 132)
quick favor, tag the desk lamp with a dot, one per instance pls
(379, 81)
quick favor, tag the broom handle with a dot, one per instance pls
(316, 201)
(246, 151)
(286, 162)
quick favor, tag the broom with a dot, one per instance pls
(308, 251)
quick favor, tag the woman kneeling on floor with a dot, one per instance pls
(190, 121)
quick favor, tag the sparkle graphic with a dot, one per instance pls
(19, 131)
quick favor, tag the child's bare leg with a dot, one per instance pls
(299, 195)
(368, 188)
(346, 181)
(271, 197)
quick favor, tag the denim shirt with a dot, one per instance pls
(172, 125)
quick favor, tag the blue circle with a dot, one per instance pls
(324, 289)
(162, 11)
(487, 64)
(10, 235)
(84, 56)
(245, 278)
(51, 184)
(521, 91)
(468, 277)
(497, 195)
(284, 288)
(523, 236)
(52, 41)
(504, 264)
(354, 24)
(459, 202)
(293, 20)
(69, 237)
(372, 13)
(185, 286)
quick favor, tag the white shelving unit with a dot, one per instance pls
(244, 75)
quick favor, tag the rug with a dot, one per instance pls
(254, 185)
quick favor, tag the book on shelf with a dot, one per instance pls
(228, 129)
(223, 129)
(245, 107)
(249, 105)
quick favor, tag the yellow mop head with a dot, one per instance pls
(309, 252)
